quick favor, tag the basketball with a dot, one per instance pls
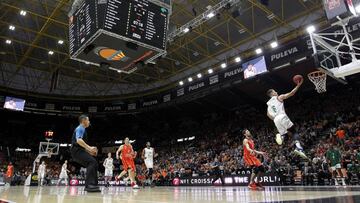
(297, 79)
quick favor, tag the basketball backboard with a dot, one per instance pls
(337, 52)
(48, 148)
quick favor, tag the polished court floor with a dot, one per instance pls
(53, 194)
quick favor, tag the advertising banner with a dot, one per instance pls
(268, 179)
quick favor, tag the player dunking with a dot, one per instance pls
(127, 155)
(109, 167)
(276, 112)
(148, 155)
(252, 161)
(63, 174)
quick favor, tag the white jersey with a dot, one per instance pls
(108, 163)
(149, 153)
(149, 157)
(41, 170)
(275, 107)
(63, 173)
(64, 168)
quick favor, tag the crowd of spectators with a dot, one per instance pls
(321, 120)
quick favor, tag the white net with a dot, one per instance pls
(319, 80)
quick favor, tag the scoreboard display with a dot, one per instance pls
(139, 20)
(341, 8)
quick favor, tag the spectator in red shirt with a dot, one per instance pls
(9, 173)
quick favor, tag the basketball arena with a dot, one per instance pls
(187, 101)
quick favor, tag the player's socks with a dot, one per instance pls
(336, 182)
(343, 181)
(298, 146)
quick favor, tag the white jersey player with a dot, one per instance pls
(41, 173)
(109, 167)
(276, 112)
(64, 174)
(148, 155)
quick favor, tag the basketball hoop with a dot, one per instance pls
(319, 80)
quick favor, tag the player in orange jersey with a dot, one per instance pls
(252, 161)
(127, 155)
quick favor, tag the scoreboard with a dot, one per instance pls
(140, 21)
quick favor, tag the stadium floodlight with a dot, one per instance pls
(237, 59)
(181, 83)
(23, 13)
(186, 30)
(11, 27)
(223, 65)
(210, 15)
(50, 52)
(8, 41)
(258, 51)
(210, 71)
(190, 79)
(199, 75)
(274, 44)
(310, 29)
(60, 42)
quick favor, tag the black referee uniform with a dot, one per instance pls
(82, 157)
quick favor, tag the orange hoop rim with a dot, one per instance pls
(317, 74)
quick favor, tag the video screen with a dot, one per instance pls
(14, 104)
(254, 67)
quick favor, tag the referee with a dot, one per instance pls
(84, 154)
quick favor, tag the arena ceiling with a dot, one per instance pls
(27, 66)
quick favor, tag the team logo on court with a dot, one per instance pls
(110, 54)
(74, 182)
(176, 181)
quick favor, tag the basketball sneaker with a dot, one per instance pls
(135, 186)
(279, 139)
(252, 186)
(300, 153)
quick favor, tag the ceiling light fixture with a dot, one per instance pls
(274, 44)
(258, 51)
(23, 13)
(210, 15)
(310, 29)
